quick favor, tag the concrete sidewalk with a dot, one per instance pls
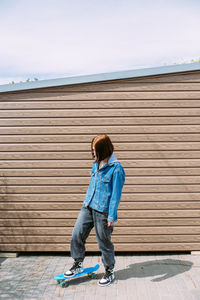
(138, 277)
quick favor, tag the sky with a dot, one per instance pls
(61, 38)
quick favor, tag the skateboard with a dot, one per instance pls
(63, 280)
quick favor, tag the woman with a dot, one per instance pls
(99, 208)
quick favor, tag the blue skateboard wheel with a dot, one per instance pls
(63, 284)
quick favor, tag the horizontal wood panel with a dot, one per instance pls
(128, 222)
(151, 163)
(101, 95)
(151, 83)
(122, 214)
(105, 103)
(51, 231)
(85, 172)
(99, 129)
(34, 189)
(123, 205)
(131, 85)
(116, 138)
(94, 247)
(123, 112)
(84, 147)
(85, 180)
(136, 197)
(87, 163)
(92, 239)
(157, 154)
(148, 120)
(188, 76)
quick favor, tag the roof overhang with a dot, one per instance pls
(100, 77)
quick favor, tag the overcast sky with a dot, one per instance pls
(60, 38)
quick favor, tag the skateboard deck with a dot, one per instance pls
(63, 280)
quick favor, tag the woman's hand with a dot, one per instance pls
(110, 223)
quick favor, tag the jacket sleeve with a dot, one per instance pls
(117, 185)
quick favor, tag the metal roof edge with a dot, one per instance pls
(100, 77)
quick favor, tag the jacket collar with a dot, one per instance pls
(111, 160)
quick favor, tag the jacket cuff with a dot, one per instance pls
(111, 219)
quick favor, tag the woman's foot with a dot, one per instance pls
(107, 278)
(75, 269)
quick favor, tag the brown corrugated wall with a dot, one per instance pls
(45, 134)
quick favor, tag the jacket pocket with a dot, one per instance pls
(106, 179)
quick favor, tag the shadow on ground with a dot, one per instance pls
(2, 260)
(164, 268)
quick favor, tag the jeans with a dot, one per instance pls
(87, 219)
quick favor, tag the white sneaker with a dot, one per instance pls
(107, 278)
(75, 269)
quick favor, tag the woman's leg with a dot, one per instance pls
(81, 231)
(103, 234)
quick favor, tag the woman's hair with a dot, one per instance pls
(103, 147)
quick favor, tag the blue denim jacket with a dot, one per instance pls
(105, 188)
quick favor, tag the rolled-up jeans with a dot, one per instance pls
(87, 219)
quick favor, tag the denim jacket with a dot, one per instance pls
(105, 188)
